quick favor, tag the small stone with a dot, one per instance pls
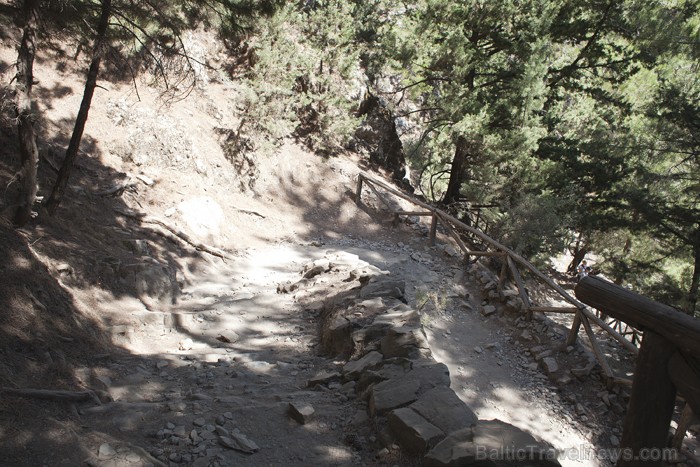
(199, 421)
(301, 412)
(106, 452)
(239, 442)
(228, 415)
(549, 365)
(614, 441)
(186, 344)
(478, 349)
(220, 420)
(175, 457)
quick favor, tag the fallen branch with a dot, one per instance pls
(142, 217)
(250, 213)
(146, 180)
(63, 396)
(52, 164)
(118, 189)
(122, 406)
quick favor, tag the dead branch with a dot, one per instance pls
(144, 218)
(117, 189)
(52, 164)
(250, 213)
(62, 396)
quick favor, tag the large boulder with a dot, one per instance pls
(491, 443)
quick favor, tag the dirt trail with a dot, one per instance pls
(487, 364)
(233, 353)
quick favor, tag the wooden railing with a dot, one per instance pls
(511, 263)
(668, 362)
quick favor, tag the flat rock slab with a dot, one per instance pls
(393, 394)
(353, 369)
(324, 377)
(444, 409)
(414, 433)
(431, 375)
(239, 442)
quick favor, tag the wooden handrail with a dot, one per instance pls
(509, 255)
(640, 312)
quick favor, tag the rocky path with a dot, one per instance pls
(223, 377)
(210, 381)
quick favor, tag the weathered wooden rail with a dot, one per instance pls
(511, 262)
(668, 362)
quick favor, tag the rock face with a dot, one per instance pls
(407, 392)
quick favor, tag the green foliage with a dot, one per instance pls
(534, 226)
(304, 78)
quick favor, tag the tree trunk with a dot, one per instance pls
(71, 153)
(579, 254)
(388, 152)
(692, 299)
(457, 171)
(25, 120)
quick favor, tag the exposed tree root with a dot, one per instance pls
(146, 219)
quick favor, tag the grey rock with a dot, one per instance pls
(324, 377)
(383, 287)
(106, 452)
(301, 412)
(549, 365)
(496, 439)
(454, 451)
(444, 409)
(413, 432)
(491, 443)
(239, 442)
(353, 369)
(404, 341)
(393, 394)
(488, 310)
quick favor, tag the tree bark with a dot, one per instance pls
(692, 299)
(59, 187)
(389, 149)
(25, 120)
(457, 171)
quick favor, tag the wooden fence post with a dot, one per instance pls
(573, 332)
(503, 275)
(358, 191)
(433, 228)
(651, 406)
